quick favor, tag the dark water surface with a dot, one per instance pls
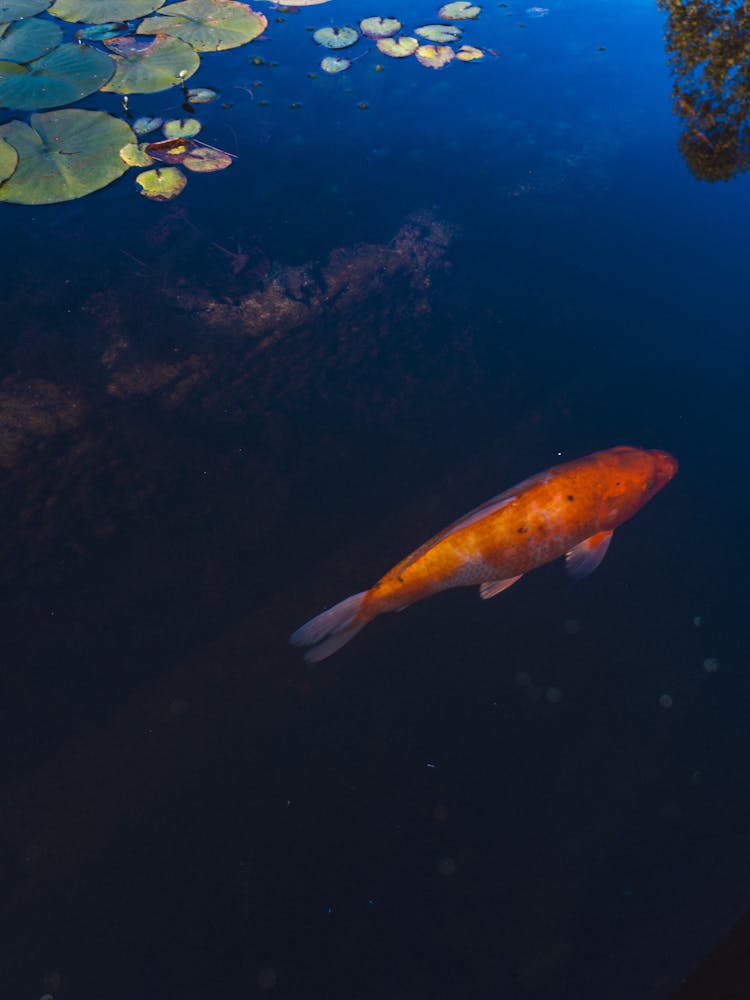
(220, 415)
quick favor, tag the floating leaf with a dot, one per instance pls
(8, 160)
(335, 64)
(135, 155)
(64, 155)
(207, 25)
(101, 32)
(469, 53)
(23, 41)
(100, 11)
(15, 10)
(146, 67)
(64, 75)
(336, 38)
(399, 48)
(142, 126)
(193, 155)
(380, 27)
(181, 128)
(301, 3)
(170, 150)
(202, 95)
(460, 11)
(439, 33)
(161, 184)
(206, 159)
(435, 56)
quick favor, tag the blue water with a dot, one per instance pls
(506, 264)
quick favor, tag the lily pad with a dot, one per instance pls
(336, 38)
(398, 48)
(161, 184)
(435, 56)
(23, 41)
(380, 27)
(101, 32)
(206, 159)
(202, 95)
(142, 126)
(135, 155)
(15, 10)
(469, 53)
(8, 160)
(460, 11)
(301, 3)
(193, 155)
(147, 67)
(335, 64)
(100, 11)
(64, 75)
(207, 25)
(64, 155)
(439, 33)
(181, 128)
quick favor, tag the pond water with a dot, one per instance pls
(223, 413)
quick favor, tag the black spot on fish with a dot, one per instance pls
(570, 497)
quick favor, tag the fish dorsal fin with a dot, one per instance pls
(586, 556)
(493, 587)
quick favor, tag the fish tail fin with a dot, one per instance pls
(331, 629)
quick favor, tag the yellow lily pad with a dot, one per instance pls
(435, 56)
(161, 184)
(469, 53)
(193, 155)
(8, 160)
(336, 38)
(439, 33)
(181, 128)
(398, 48)
(135, 155)
(206, 159)
(207, 25)
(460, 11)
(147, 67)
(379, 27)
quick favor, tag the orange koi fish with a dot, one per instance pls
(571, 510)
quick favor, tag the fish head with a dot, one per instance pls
(664, 468)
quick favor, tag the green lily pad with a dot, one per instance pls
(135, 155)
(207, 25)
(64, 155)
(460, 11)
(161, 184)
(181, 128)
(142, 126)
(100, 11)
(201, 95)
(335, 64)
(23, 41)
(14, 10)
(8, 160)
(64, 75)
(380, 27)
(336, 38)
(439, 33)
(146, 67)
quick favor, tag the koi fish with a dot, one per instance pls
(571, 509)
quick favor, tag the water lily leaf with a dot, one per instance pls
(135, 155)
(301, 3)
(399, 48)
(380, 27)
(8, 160)
(23, 41)
(101, 32)
(206, 159)
(439, 33)
(64, 155)
(181, 128)
(64, 75)
(207, 25)
(435, 56)
(193, 155)
(460, 11)
(142, 126)
(14, 10)
(469, 53)
(145, 67)
(336, 38)
(161, 184)
(201, 95)
(335, 64)
(100, 11)
(170, 150)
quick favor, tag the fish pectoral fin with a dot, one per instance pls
(586, 556)
(493, 587)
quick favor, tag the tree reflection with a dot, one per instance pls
(708, 42)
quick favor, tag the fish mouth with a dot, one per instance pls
(665, 466)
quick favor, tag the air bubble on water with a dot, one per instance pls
(553, 695)
(665, 700)
(711, 664)
(698, 621)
